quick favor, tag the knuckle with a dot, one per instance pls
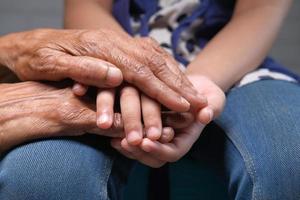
(142, 78)
(151, 41)
(70, 113)
(141, 70)
(137, 73)
(148, 39)
(40, 61)
(85, 35)
(179, 82)
(157, 63)
(88, 42)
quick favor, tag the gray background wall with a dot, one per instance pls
(18, 15)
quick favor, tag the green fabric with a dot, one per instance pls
(136, 188)
(189, 180)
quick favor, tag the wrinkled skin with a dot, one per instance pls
(32, 110)
(155, 153)
(93, 57)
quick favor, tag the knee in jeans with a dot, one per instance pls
(54, 170)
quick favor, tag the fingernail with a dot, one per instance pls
(184, 101)
(114, 76)
(103, 118)
(210, 114)
(153, 133)
(79, 90)
(133, 138)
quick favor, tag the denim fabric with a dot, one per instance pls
(254, 145)
(61, 168)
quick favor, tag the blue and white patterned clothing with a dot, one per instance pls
(183, 28)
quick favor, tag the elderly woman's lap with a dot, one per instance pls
(61, 168)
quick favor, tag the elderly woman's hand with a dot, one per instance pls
(32, 110)
(99, 58)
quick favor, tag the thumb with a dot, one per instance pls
(90, 71)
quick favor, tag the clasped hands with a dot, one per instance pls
(153, 136)
(104, 59)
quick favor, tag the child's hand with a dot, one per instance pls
(215, 97)
(154, 153)
(133, 108)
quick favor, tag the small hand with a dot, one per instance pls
(156, 154)
(215, 98)
(133, 106)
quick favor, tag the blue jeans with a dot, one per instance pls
(254, 145)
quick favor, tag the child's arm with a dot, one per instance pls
(90, 14)
(243, 43)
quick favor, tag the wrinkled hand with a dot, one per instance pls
(32, 110)
(97, 58)
(155, 153)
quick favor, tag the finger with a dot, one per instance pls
(115, 131)
(118, 122)
(88, 125)
(173, 65)
(180, 145)
(90, 71)
(79, 89)
(151, 117)
(131, 114)
(116, 144)
(159, 91)
(112, 133)
(167, 136)
(169, 71)
(142, 77)
(177, 120)
(141, 156)
(105, 108)
(216, 104)
(78, 116)
(205, 115)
